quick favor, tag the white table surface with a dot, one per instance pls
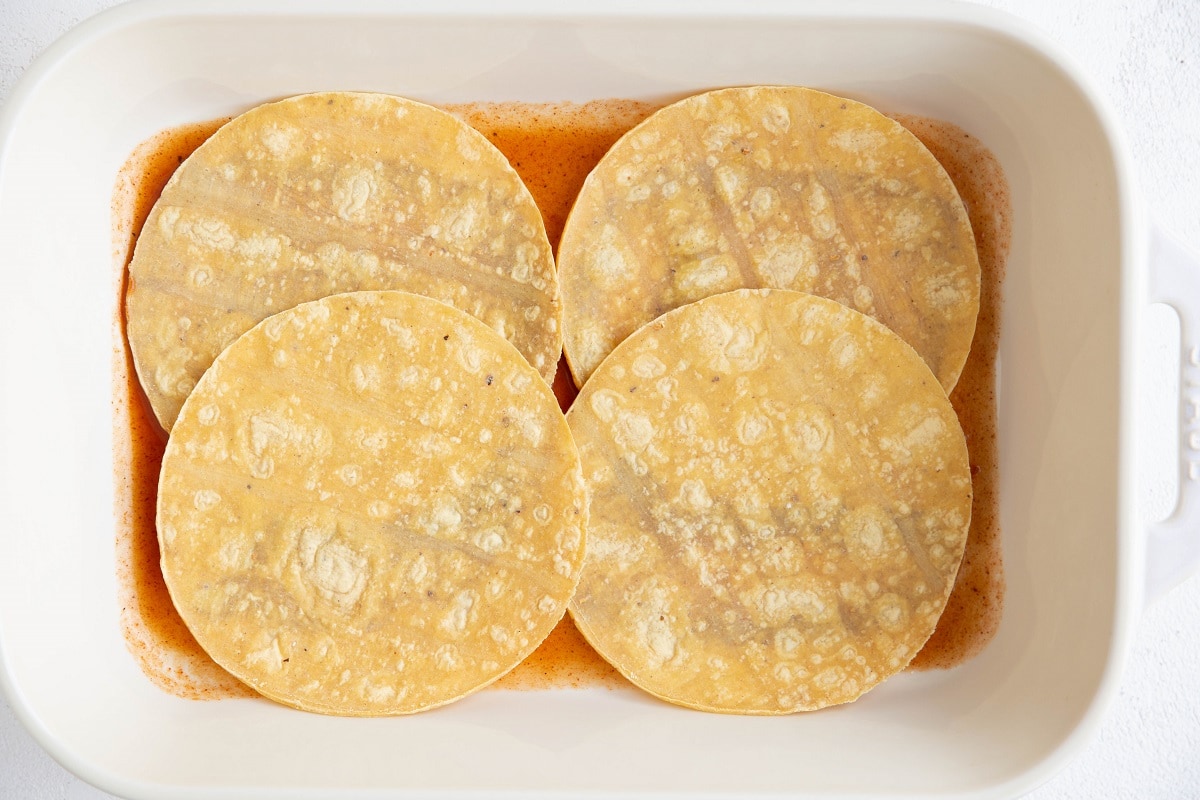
(1144, 57)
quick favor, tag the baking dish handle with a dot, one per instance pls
(1173, 545)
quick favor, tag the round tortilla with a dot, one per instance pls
(779, 501)
(776, 187)
(371, 504)
(328, 193)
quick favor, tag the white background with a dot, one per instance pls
(1144, 58)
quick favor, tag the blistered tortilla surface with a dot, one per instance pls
(371, 504)
(779, 501)
(326, 193)
(776, 187)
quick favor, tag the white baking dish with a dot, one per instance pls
(1079, 279)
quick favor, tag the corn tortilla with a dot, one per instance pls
(370, 504)
(779, 502)
(774, 187)
(327, 193)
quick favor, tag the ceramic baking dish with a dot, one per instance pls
(1080, 276)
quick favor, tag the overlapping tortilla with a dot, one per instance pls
(779, 187)
(328, 193)
(371, 504)
(779, 501)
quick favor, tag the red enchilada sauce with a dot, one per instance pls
(553, 147)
